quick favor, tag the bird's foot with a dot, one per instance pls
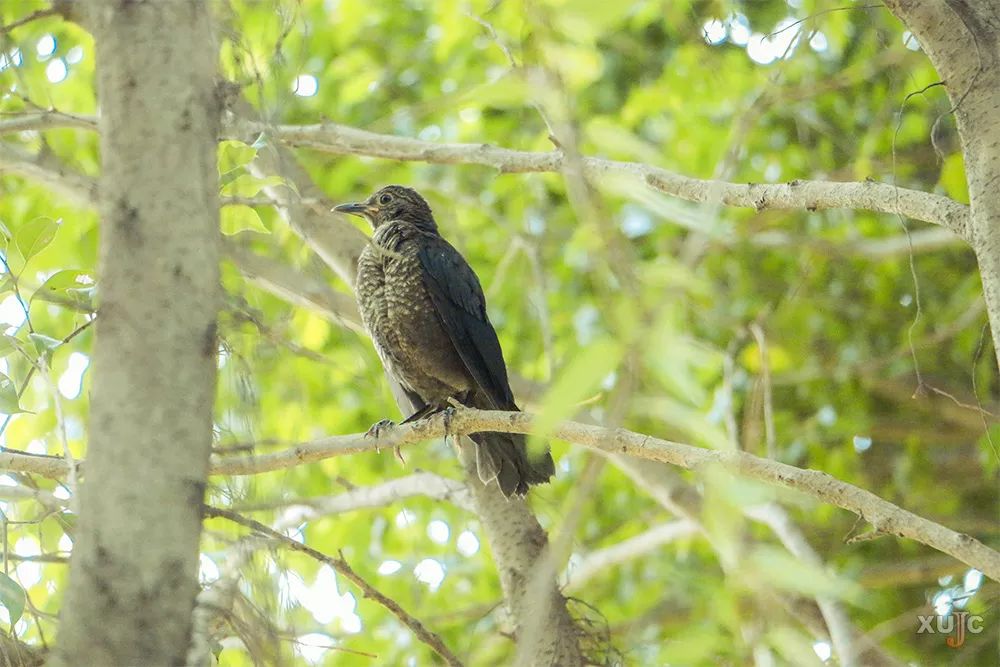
(379, 428)
(399, 455)
(447, 414)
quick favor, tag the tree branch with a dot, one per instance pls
(881, 514)
(346, 140)
(812, 195)
(37, 121)
(34, 16)
(841, 636)
(342, 568)
(425, 484)
(48, 170)
(597, 561)
(520, 549)
(295, 287)
(334, 239)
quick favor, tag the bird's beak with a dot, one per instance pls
(355, 208)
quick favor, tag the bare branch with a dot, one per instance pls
(34, 16)
(342, 568)
(841, 635)
(634, 547)
(37, 121)
(218, 599)
(812, 195)
(881, 514)
(50, 172)
(295, 287)
(425, 484)
(345, 140)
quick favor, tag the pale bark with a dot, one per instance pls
(339, 243)
(798, 194)
(519, 546)
(962, 40)
(133, 575)
(882, 515)
(602, 560)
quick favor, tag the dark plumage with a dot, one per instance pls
(425, 310)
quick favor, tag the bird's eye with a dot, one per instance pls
(385, 199)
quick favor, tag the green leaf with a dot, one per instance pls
(774, 567)
(234, 154)
(231, 175)
(579, 380)
(8, 344)
(239, 218)
(32, 237)
(12, 597)
(248, 185)
(506, 92)
(8, 396)
(61, 281)
(44, 344)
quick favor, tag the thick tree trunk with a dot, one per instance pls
(962, 40)
(536, 605)
(133, 577)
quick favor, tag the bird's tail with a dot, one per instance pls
(504, 457)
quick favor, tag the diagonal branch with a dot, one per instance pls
(295, 287)
(45, 120)
(342, 568)
(424, 484)
(812, 195)
(346, 140)
(600, 560)
(48, 170)
(884, 516)
(280, 280)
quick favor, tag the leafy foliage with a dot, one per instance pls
(619, 305)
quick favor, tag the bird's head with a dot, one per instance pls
(393, 202)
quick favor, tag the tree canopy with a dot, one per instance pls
(605, 168)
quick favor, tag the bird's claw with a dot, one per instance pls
(399, 455)
(378, 427)
(447, 414)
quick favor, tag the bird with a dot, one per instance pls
(424, 308)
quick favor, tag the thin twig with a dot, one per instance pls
(340, 565)
(34, 16)
(765, 376)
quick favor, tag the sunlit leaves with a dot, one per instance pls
(31, 238)
(12, 598)
(70, 286)
(234, 154)
(8, 344)
(239, 218)
(579, 380)
(953, 178)
(638, 82)
(44, 345)
(8, 396)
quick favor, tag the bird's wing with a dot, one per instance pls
(459, 300)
